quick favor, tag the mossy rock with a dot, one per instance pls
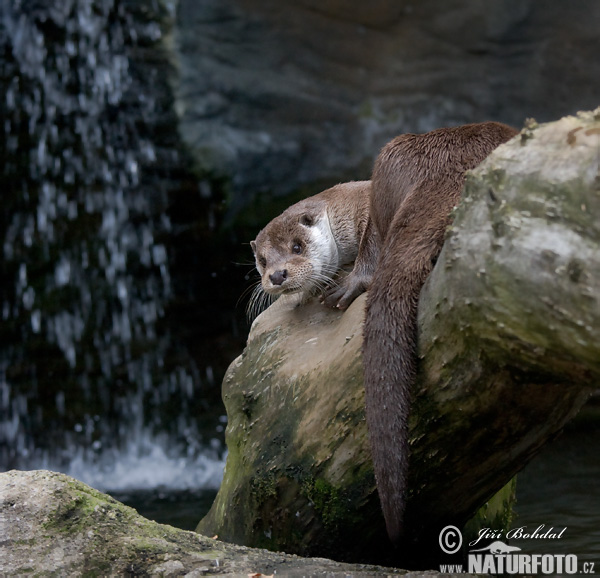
(54, 525)
(299, 476)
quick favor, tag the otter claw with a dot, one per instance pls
(333, 297)
(341, 297)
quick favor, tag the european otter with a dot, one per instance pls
(416, 182)
(302, 250)
(394, 237)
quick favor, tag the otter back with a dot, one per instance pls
(416, 182)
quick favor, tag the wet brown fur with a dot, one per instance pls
(417, 180)
(394, 227)
(340, 214)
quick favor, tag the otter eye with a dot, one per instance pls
(262, 262)
(297, 248)
(307, 220)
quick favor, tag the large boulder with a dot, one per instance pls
(509, 345)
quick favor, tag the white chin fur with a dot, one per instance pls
(323, 249)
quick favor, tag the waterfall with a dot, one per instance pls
(92, 380)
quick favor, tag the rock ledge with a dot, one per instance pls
(51, 524)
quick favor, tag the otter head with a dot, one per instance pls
(296, 252)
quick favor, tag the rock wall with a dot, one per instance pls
(275, 95)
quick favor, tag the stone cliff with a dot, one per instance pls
(276, 95)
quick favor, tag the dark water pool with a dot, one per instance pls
(559, 489)
(182, 509)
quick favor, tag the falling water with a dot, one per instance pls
(92, 381)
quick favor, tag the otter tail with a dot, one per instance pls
(412, 243)
(434, 164)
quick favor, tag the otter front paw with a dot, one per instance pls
(342, 295)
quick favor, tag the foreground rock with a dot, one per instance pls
(53, 525)
(510, 348)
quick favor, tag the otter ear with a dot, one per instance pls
(253, 245)
(307, 220)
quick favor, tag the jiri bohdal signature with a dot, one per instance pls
(540, 533)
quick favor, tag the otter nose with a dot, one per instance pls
(278, 277)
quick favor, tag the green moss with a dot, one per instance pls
(497, 513)
(332, 504)
(264, 486)
(73, 516)
(496, 178)
(69, 516)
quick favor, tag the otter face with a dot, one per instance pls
(296, 252)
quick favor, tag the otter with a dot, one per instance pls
(393, 227)
(417, 180)
(302, 250)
